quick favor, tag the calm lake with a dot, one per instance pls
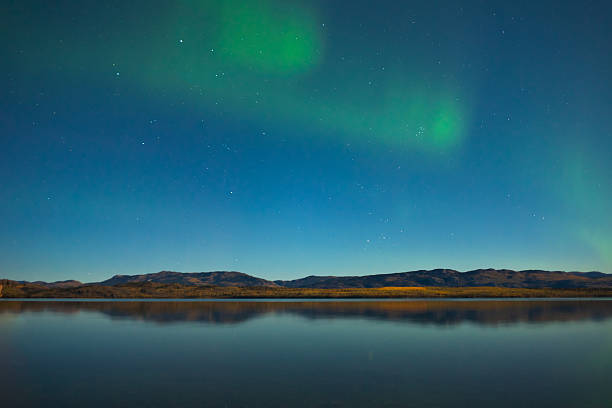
(415, 353)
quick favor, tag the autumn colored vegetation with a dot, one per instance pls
(12, 289)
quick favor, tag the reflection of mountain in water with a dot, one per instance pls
(486, 312)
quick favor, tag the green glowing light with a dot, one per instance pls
(446, 127)
(268, 38)
(582, 187)
(599, 240)
(266, 62)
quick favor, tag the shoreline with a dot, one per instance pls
(174, 291)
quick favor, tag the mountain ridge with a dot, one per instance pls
(215, 278)
(506, 278)
(70, 283)
(531, 278)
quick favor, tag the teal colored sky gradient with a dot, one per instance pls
(285, 139)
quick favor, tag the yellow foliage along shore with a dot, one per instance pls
(13, 289)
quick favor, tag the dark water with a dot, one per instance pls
(554, 353)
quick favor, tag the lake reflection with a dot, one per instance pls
(419, 353)
(442, 312)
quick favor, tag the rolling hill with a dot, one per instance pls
(237, 284)
(217, 278)
(451, 278)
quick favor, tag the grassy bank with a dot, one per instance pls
(169, 291)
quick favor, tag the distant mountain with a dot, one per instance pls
(218, 278)
(451, 278)
(483, 283)
(590, 274)
(504, 278)
(58, 284)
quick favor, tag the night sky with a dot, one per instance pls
(289, 138)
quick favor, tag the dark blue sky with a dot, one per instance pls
(285, 139)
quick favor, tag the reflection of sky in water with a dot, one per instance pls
(285, 359)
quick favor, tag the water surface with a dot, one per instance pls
(389, 353)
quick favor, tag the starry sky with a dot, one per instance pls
(291, 138)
